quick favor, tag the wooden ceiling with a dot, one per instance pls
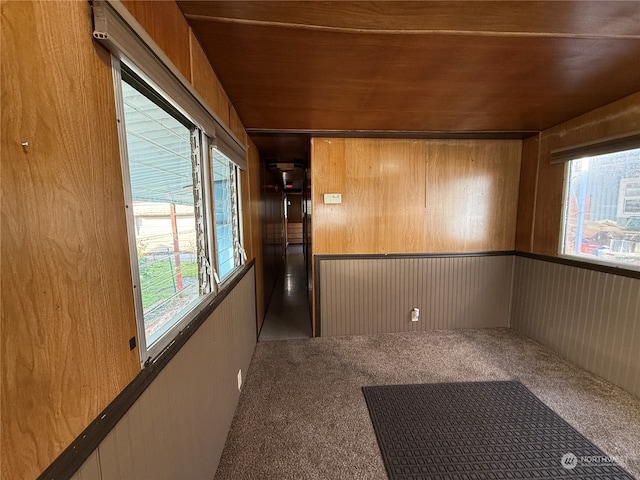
(427, 66)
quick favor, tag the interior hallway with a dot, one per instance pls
(302, 414)
(288, 316)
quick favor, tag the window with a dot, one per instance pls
(602, 209)
(175, 232)
(184, 244)
(163, 195)
(225, 187)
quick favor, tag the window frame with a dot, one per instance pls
(239, 257)
(586, 153)
(148, 353)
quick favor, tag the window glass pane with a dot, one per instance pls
(602, 208)
(225, 212)
(162, 186)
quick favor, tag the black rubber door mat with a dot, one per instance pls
(479, 431)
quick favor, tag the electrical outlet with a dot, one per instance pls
(415, 314)
(239, 379)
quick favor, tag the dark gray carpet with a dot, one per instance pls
(302, 415)
(479, 431)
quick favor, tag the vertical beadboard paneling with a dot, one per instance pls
(116, 453)
(90, 470)
(376, 295)
(630, 339)
(589, 317)
(178, 426)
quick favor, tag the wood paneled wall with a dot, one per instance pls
(540, 203)
(528, 185)
(308, 240)
(67, 297)
(164, 22)
(207, 84)
(253, 211)
(415, 196)
(294, 211)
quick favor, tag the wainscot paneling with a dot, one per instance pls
(589, 317)
(178, 427)
(90, 470)
(376, 295)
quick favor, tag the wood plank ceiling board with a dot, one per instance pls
(593, 18)
(419, 66)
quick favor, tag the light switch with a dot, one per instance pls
(332, 198)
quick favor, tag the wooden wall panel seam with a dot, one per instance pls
(535, 195)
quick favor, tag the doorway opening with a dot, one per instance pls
(288, 315)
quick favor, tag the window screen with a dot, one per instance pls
(159, 145)
(226, 214)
